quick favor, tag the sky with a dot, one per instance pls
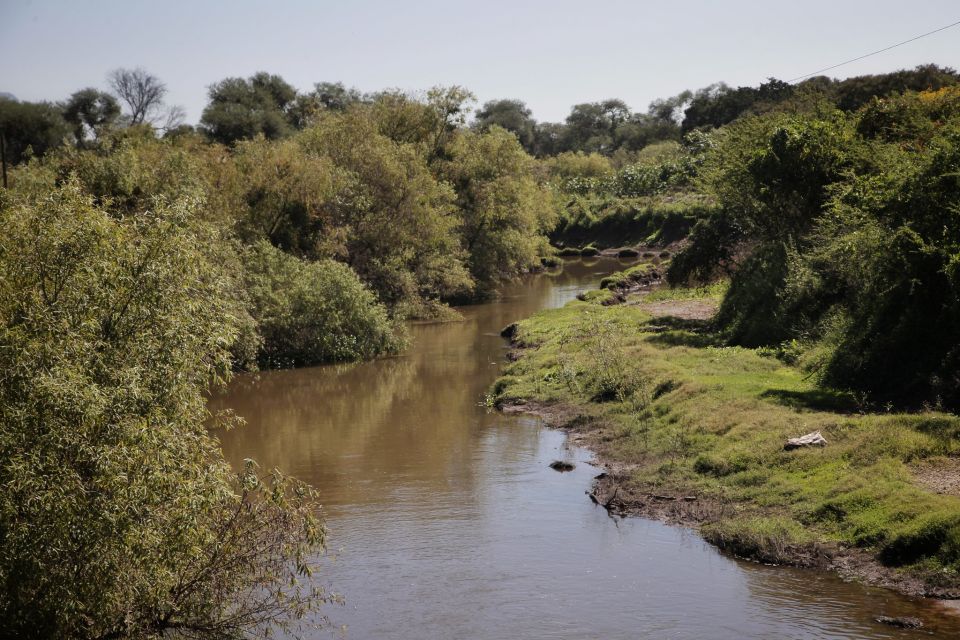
(551, 54)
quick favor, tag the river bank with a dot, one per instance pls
(693, 432)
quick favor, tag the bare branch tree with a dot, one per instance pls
(142, 92)
(173, 117)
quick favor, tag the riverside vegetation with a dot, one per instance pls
(142, 261)
(834, 247)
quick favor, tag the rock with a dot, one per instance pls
(567, 252)
(509, 331)
(561, 466)
(589, 252)
(904, 622)
(810, 440)
(664, 254)
(628, 253)
(550, 262)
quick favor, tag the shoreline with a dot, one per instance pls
(729, 428)
(611, 490)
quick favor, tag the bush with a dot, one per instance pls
(313, 312)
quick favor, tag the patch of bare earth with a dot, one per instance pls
(683, 309)
(940, 476)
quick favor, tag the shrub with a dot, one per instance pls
(313, 312)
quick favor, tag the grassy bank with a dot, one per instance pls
(695, 431)
(606, 222)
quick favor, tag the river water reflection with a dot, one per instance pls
(447, 523)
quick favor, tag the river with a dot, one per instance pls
(446, 521)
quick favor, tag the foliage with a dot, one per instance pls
(504, 210)
(512, 115)
(402, 221)
(840, 229)
(30, 129)
(119, 516)
(243, 108)
(310, 312)
(91, 112)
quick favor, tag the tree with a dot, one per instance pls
(142, 92)
(326, 96)
(34, 126)
(243, 108)
(504, 210)
(512, 115)
(593, 126)
(401, 218)
(90, 111)
(119, 517)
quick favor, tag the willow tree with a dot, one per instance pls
(119, 517)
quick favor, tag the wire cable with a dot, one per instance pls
(867, 55)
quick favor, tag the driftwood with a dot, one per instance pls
(810, 440)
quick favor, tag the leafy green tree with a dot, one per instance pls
(243, 108)
(852, 93)
(334, 96)
(548, 139)
(91, 112)
(288, 197)
(27, 126)
(718, 104)
(592, 127)
(401, 219)
(119, 517)
(512, 115)
(505, 211)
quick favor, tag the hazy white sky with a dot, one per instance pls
(550, 53)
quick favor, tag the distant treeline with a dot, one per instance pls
(241, 108)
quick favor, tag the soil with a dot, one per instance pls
(683, 309)
(940, 476)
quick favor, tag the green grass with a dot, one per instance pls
(623, 279)
(713, 420)
(713, 291)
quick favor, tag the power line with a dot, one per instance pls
(867, 55)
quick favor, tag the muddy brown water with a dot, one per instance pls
(446, 521)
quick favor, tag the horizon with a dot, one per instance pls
(557, 76)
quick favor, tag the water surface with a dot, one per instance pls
(447, 523)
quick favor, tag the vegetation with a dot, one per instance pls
(142, 260)
(839, 231)
(314, 311)
(119, 516)
(689, 416)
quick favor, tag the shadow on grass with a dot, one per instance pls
(814, 399)
(670, 331)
